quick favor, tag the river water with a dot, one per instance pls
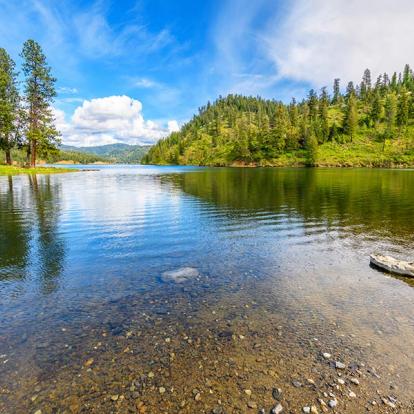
(88, 324)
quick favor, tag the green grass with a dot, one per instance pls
(13, 170)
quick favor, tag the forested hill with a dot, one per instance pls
(369, 124)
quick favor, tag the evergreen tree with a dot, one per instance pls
(365, 87)
(350, 90)
(9, 105)
(336, 91)
(351, 116)
(41, 133)
(376, 109)
(313, 105)
(323, 115)
(403, 109)
(390, 113)
(312, 149)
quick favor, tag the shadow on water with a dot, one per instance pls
(370, 201)
(29, 240)
(15, 235)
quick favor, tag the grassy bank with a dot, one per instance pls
(363, 153)
(14, 170)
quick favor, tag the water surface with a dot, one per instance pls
(87, 324)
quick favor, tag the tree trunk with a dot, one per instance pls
(28, 154)
(33, 155)
(8, 156)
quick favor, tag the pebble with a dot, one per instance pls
(197, 397)
(314, 410)
(151, 375)
(38, 412)
(306, 410)
(89, 362)
(252, 404)
(354, 381)
(326, 355)
(296, 384)
(114, 397)
(340, 365)
(341, 381)
(332, 403)
(352, 394)
(248, 392)
(276, 393)
(277, 409)
(387, 402)
(161, 390)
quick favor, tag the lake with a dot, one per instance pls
(283, 297)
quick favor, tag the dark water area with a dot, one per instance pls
(88, 324)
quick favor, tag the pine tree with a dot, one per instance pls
(313, 104)
(323, 115)
(350, 90)
(365, 86)
(41, 133)
(351, 116)
(336, 92)
(390, 113)
(9, 105)
(403, 109)
(376, 109)
(312, 149)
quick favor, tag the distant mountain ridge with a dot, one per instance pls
(114, 153)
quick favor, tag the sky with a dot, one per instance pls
(133, 71)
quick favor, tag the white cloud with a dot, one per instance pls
(173, 126)
(145, 83)
(269, 47)
(108, 120)
(320, 40)
(67, 90)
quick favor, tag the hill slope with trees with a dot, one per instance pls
(369, 124)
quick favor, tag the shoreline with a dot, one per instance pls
(15, 170)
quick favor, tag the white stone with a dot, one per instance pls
(277, 409)
(181, 275)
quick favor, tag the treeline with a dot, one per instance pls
(76, 157)
(256, 131)
(26, 119)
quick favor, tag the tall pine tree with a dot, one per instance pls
(9, 105)
(39, 91)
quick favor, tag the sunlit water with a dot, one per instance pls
(283, 256)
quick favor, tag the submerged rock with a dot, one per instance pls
(181, 275)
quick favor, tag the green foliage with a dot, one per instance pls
(39, 91)
(240, 130)
(9, 105)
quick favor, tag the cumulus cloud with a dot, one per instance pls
(108, 120)
(268, 45)
(320, 40)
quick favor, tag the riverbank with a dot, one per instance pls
(14, 170)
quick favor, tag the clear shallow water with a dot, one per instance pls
(283, 258)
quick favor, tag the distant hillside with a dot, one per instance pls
(113, 153)
(371, 124)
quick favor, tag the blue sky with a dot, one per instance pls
(131, 71)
